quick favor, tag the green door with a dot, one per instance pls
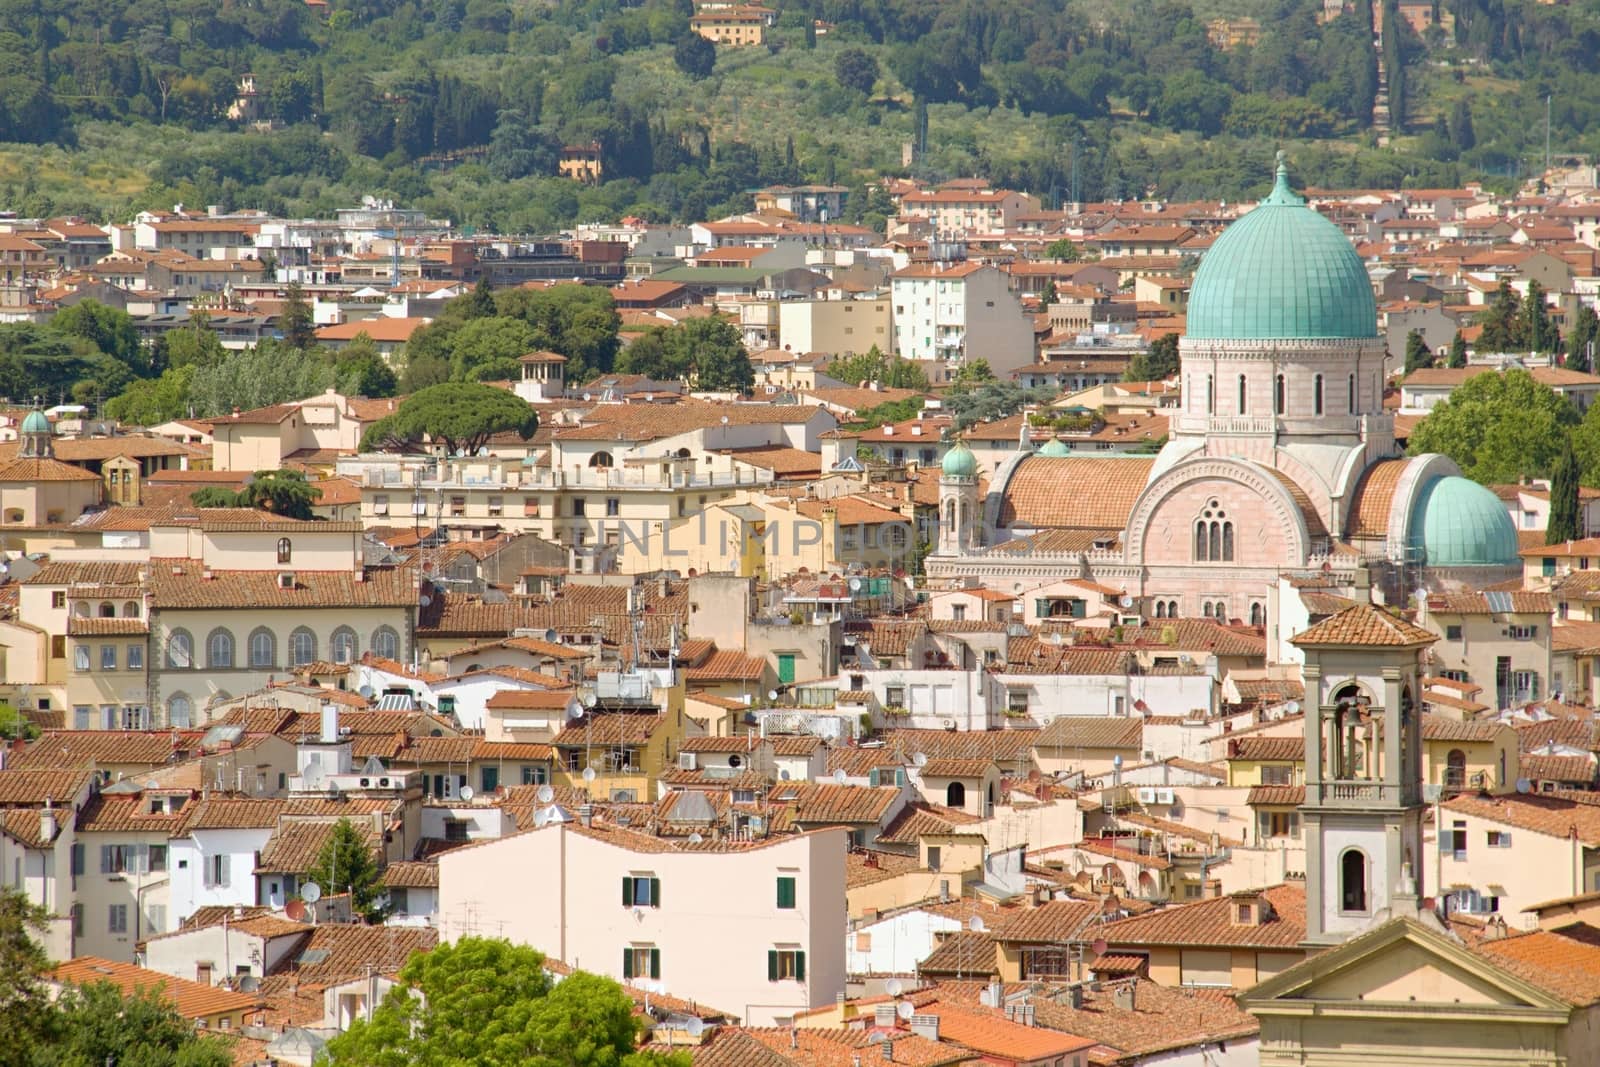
(785, 667)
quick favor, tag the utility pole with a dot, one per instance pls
(1547, 98)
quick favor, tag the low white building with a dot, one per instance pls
(213, 862)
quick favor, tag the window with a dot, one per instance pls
(1054, 961)
(285, 550)
(263, 648)
(380, 504)
(1453, 842)
(343, 645)
(534, 774)
(786, 965)
(119, 859)
(130, 610)
(895, 696)
(1524, 633)
(117, 919)
(1452, 633)
(156, 859)
(216, 871)
(108, 657)
(613, 507)
(935, 857)
(1244, 396)
(579, 507)
(786, 891)
(80, 657)
(958, 612)
(1017, 701)
(458, 506)
(385, 643)
(219, 649)
(641, 891)
(455, 830)
(1350, 392)
(496, 505)
(1277, 774)
(302, 647)
(1277, 824)
(641, 961)
(1280, 397)
(1211, 395)
(1353, 881)
(1213, 535)
(77, 920)
(179, 711)
(180, 650)
(136, 657)
(58, 599)
(955, 795)
(1499, 838)
(1316, 394)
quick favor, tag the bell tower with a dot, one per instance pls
(1363, 806)
(35, 438)
(958, 502)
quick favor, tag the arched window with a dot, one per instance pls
(302, 647)
(108, 610)
(1205, 608)
(1455, 768)
(1216, 540)
(180, 712)
(180, 650)
(1202, 547)
(1211, 396)
(1172, 609)
(1258, 615)
(1227, 542)
(1316, 394)
(1213, 534)
(263, 648)
(1353, 881)
(285, 550)
(950, 515)
(81, 609)
(219, 649)
(1244, 396)
(131, 609)
(1161, 609)
(385, 643)
(1352, 391)
(1280, 396)
(955, 795)
(600, 459)
(343, 645)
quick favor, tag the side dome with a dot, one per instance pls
(1458, 523)
(1282, 272)
(959, 462)
(1055, 449)
(35, 422)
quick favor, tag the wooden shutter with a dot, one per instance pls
(105, 859)
(655, 963)
(627, 892)
(785, 892)
(655, 892)
(627, 963)
(772, 965)
(800, 966)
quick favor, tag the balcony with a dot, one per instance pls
(1360, 793)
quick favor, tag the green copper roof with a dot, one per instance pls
(35, 422)
(959, 462)
(1459, 523)
(1281, 272)
(1055, 449)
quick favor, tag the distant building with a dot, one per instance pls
(582, 163)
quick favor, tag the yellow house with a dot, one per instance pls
(1259, 760)
(1469, 755)
(36, 489)
(627, 750)
(1226, 942)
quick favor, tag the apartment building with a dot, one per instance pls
(953, 211)
(837, 327)
(949, 316)
(307, 430)
(1498, 640)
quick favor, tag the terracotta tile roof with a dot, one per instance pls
(1211, 923)
(512, 750)
(794, 744)
(383, 587)
(434, 750)
(192, 1000)
(1013, 747)
(78, 626)
(893, 638)
(1364, 625)
(44, 470)
(1057, 920)
(233, 813)
(1163, 1019)
(609, 728)
(349, 951)
(1576, 732)
(826, 804)
(728, 665)
(72, 573)
(845, 1047)
(125, 814)
(649, 422)
(1565, 961)
(964, 952)
(1551, 814)
(1276, 795)
(411, 874)
(867, 866)
(66, 749)
(996, 1038)
(22, 825)
(1522, 602)
(1444, 728)
(294, 847)
(30, 788)
(1090, 731)
(1579, 769)
(1374, 499)
(860, 762)
(1031, 655)
(917, 820)
(1267, 748)
(953, 767)
(1112, 848)
(747, 743)
(1048, 492)
(728, 1047)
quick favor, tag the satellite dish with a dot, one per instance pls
(296, 910)
(894, 987)
(311, 892)
(1125, 600)
(695, 839)
(1099, 946)
(919, 759)
(905, 1010)
(541, 817)
(839, 777)
(696, 1026)
(976, 924)
(588, 774)
(314, 775)
(367, 692)
(1524, 786)
(551, 637)
(589, 700)
(772, 694)
(855, 585)
(545, 794)
(1292, 707)
(467, 792)
(426, 600)
(249, 983)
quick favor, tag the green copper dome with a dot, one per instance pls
(959, 462)
(1055, 449)
(35, 422)
(1281, 272)
(1459, 523)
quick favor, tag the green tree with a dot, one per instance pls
(1503, 323)
(1498, 427)
(282, 492)
(873, 366)
(462, 416)
(855, 68)
(196, 344)
(1417, 354)
(695, 55)
(477, 303)
(706, 352)
(578, 321)
(1156, 365)
(149, 401)
(109, 329)
(487, 349)
(1538, 333)
(361, 369)
(974, 372)
(1582, 339)
(1047, 295)
(1458, 352)
(490, 1003)
(15, 726)
(1565, 523)
(345, 864)
(297, 322)
(269, 373)
(101, 1025)
(26, 1016)
(1062, 250)
(892, 411)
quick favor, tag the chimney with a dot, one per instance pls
(1123, 997)
(586, 815)
(925, 1026)
(888, 1049)
(47, 822)
(997, 993)
(1076, 991)
(944, 890)
(661, 587)
(1026, 1015)
(883, 1015)
(330, 724)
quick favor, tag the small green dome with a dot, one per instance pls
(959, 462)
(35, 423)
(1459, 523)
(1055, 449)
(1281, 272)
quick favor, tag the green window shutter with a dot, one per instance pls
(772, 965)
(785, 892)
(655, 963)
(627, 963)
(800, 966)
(627, 892)
(655, 892)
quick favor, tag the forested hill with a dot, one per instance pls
(461, 106)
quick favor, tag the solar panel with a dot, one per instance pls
(1499, 601)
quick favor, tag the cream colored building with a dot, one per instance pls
(753, 928)
(838, 327)
(122, 881)
(1502, 854)
(310, 430)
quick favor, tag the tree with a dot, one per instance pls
(15, 726)
(346, 864)
(26, 1016)
(269, 373)
(110, 329)
(1048, 295)
(1503, 323)
(298, 323)
(873, 366)
(361, 369)
(695, 55)
(1461, 132)
(856, 69)
(149, 401)
(490, 1003)
(1498, 427)
(1582, 339)
(487, 349)
(706, 352)
(1538, 333)
(1565, 523)
(462, 416)
(1417, 354)
(975, 372)
(1458, 352)
(1156, 365)
(282, 492)
(1062, 250)
(196, 344)
(578, 321)
(478, 303)
(101, 1025)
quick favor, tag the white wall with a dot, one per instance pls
(897, 943)
(187, 868)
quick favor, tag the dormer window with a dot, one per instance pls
(1246, 915)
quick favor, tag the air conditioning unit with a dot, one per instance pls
(366, 783)
(1164, 796)
(686, 761)
(1147, 795)
(383, 783)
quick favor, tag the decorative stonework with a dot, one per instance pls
(1249, 475)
